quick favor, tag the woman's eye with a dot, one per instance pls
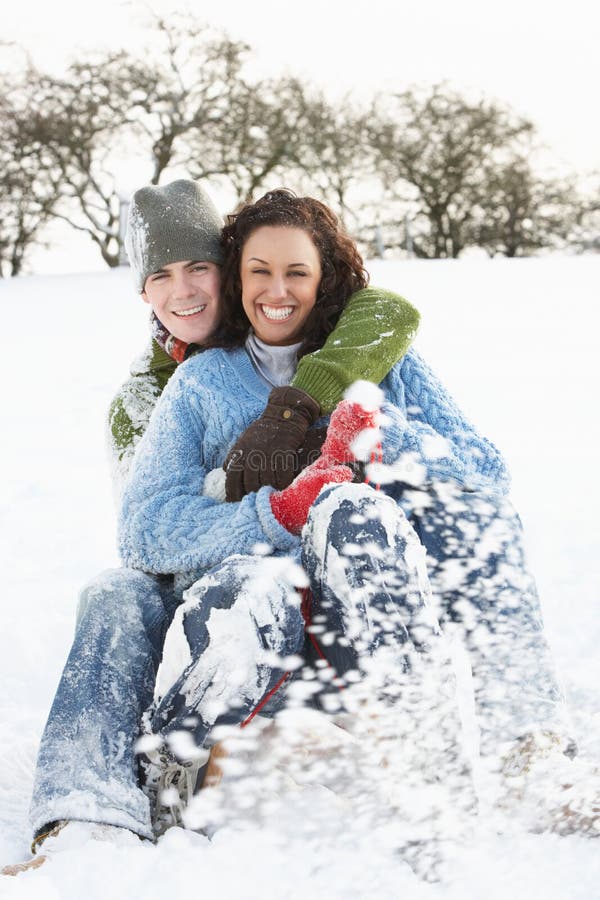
(299, 274)
(259, 272)
(201, 267)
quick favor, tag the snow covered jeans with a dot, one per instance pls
(373, 643)
(484, 590)
(371, 621)
(86, 766)
(241, 621)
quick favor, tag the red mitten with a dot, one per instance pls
(347, 421)
(290, 506)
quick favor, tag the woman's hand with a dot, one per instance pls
(267, 451)
(290, 506)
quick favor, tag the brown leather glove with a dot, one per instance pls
(310, 450)
(267, 451)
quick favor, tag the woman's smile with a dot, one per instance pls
(276, 313)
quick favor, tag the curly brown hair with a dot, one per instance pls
(342, 267)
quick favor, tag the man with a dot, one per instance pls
(87, 771)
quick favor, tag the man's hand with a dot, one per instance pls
(350, 425)
(267, 451)
(290, 506)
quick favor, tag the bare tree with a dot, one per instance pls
(282, 131)
(255, 145)
(435, 150)
(586, 233)
(114, 107)
(522, 212)
(71, 123)
(185, 87)
(27, 195)
(426, 171)
(335, 152)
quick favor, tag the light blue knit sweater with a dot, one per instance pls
(166, 525)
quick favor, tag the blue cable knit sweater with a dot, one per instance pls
(166, 525)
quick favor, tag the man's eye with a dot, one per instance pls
(201, 267)
(158, 276)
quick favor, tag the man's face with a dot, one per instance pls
(185, 297)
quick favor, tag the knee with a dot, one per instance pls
(260, 591)
(350, 512)
(117, 594)
(218, 587)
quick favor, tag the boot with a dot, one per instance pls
(69, 835)
(169, 785)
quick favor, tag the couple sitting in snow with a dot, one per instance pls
(254, 487)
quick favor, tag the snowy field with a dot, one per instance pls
(517, 344)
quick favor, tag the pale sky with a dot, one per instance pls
(540, 56)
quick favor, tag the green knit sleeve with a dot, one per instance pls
(128, 417)
(375, 330)
(124, 434)
(131, 408)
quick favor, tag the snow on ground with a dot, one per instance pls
(515, 341)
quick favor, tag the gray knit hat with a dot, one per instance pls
(169, 224)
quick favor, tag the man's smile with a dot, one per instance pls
(192, 311)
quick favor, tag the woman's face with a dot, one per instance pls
(280, 272)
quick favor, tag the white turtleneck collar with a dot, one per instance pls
(276, 366)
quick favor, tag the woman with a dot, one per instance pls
(294, 269)
(288, 271)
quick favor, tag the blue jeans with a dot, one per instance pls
(87, 766)
(364, 596)
(373, 638)
(242, 619)
(484, 590)
(372, 620)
